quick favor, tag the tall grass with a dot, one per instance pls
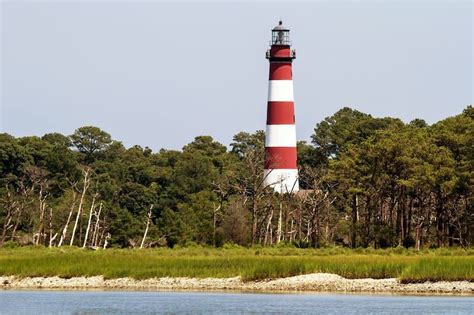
(439, 269)
(250, 264)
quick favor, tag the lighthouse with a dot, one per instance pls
(281, 171)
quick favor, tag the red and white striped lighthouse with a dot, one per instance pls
(281, 172)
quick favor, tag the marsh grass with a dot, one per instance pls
(249, 263)
(439, 269)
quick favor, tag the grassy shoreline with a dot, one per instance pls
(248, 263)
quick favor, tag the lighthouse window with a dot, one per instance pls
(281, 37)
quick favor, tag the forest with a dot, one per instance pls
(366, 182)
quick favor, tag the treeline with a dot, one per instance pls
(365, 182)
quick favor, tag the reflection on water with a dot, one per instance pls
(124, 302)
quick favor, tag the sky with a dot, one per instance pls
(158, 74)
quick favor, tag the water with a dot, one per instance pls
(138, 302)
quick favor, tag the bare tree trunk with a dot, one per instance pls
(96, 227)
(42, 207)
(106, 242)
(90, 220)
(148, 220)
(40, 232)
(51, 240)
(271, 233)
(51, 237)
(101, 237)
(73, 205)
(17, 222)
(268, 239)
(286, 214)
(85, 172)
(279, 228)
(95, 238)
(291, 230)
(308, 231)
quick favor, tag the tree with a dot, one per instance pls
(14, 158)
(347, 126)
(91, 142)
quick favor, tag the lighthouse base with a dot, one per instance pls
(282, 180)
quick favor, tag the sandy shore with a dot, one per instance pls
(318, 282)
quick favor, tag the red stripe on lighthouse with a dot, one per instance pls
(280, 71)
(282, 51)
(280, 158)
(280, 113)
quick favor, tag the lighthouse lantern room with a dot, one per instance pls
(280, 35)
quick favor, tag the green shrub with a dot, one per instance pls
(10, 244)
(231, 245)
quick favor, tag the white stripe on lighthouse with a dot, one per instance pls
(280, 90)
(282, 180)
(280, 136)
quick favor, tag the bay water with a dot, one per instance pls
(146, 302)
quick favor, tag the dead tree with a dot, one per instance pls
(268, 229)
(148, 220)
(24, 193)
(315, 200)
(102, 231)
(90, 220)
(71, 210)
(252, 186)
(106, 242)
(280, 219)
(96, 227)
(11, 207)
(42, 196)
(86, 171)
(51, 237)
(36, 177)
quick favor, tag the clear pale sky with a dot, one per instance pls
(158, 74)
